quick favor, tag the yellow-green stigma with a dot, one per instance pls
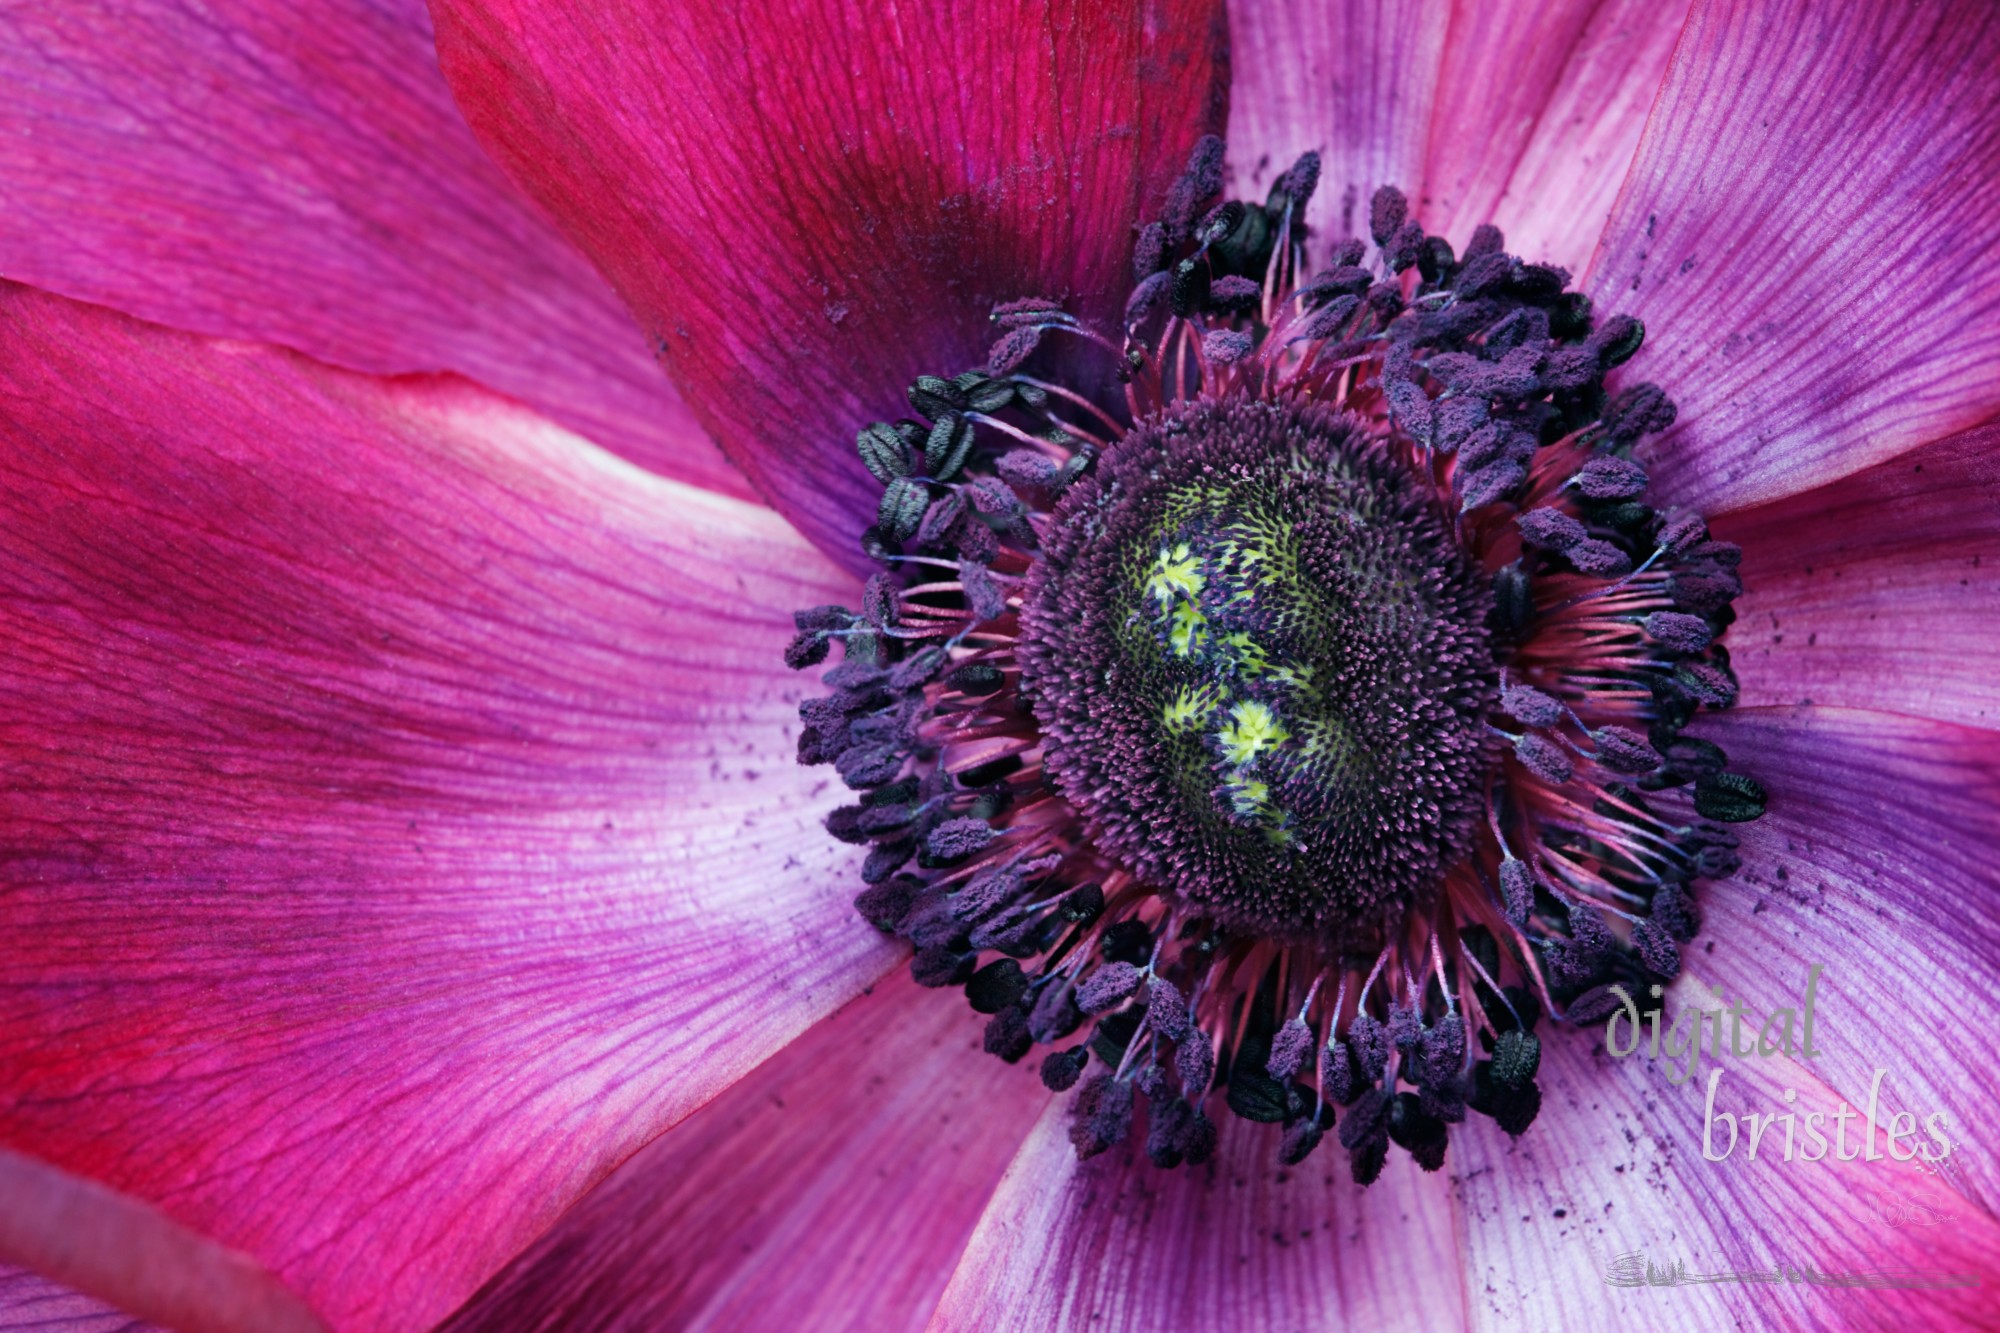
(1263, 667)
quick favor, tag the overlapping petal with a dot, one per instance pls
(1881, 590)
(1116, 1243)
(96, 1238)
(837, 1184)
(1803, 233)
(298, 174)
(399, 817)
(1353, 80)
(31, 1303)
(809, 204)
(1539, 110)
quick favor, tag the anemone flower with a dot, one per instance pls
(1282, 628)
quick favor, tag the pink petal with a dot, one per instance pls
(837, 1183)
(1614, 1167)
(1875, 861)
(809, 210)
(1353, 80)
(1801, 233)
(1539, 111)
(130, 1253)
(1116, 1243)
(1881, 590)
(298, 174)
(401, 819)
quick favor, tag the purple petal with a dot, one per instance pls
(1539, 111)
(1801, 233)
(1613, 1168)
(1352, 80)
(32, 1303)
(1876, 861)
(1881, 590)
(1116, 1242)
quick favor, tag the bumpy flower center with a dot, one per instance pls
(1294, 734)
(1261, 663)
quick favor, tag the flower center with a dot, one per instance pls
(1291, 736)
(1261, 664)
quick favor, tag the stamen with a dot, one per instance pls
(1348, 633)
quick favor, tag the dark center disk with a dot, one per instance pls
(1261, 666)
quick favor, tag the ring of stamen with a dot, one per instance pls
(1106, 706)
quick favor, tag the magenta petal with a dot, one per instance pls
(1803, 234)
(1881, 590)
(1613, 1168)
(1117, 1243)
(1353, 80)
(400, 812)
(810, 208)
(1539, 111)
(1876, 860)
(837, 1183)
(127, 1252)
(298, 174)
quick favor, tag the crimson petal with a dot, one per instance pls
(1803, 233)
(298, 174)
(809, 205)
(399, 813)
(837, 1183)
(1881, 590)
